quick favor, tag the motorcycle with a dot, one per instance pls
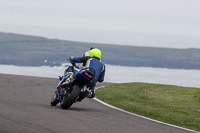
(73, 85)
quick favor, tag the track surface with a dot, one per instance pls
(25, 107)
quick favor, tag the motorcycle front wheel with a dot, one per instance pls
(67, 101)
(54, 100)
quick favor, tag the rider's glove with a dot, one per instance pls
(71, 58)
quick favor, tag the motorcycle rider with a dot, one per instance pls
(69, 69)
(92, 61)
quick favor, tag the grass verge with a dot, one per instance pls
(171, 104)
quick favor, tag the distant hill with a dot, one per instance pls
(33, 51)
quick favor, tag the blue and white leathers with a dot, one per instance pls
(94, 63)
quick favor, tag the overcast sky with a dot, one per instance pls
(156, 23)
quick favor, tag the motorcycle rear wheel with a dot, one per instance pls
(67, 102)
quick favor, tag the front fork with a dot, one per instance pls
(59, 98)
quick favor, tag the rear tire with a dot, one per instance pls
(54, 100)
(68, 101)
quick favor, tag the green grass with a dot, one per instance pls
(171, 104)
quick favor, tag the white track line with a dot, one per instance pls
(141, 115)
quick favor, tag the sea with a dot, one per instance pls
(117, 74)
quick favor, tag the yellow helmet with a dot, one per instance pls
(95, 53)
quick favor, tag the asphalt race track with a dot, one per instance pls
(25, 107)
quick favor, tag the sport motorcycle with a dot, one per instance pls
(73, 84)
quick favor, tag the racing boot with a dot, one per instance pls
(91, 92)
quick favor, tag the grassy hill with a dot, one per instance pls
(32, 51)
(171, 104)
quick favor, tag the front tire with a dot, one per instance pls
(54, 100)
(68, 101)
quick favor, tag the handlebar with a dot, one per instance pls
(73, 63)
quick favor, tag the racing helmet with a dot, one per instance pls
(95, 53)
